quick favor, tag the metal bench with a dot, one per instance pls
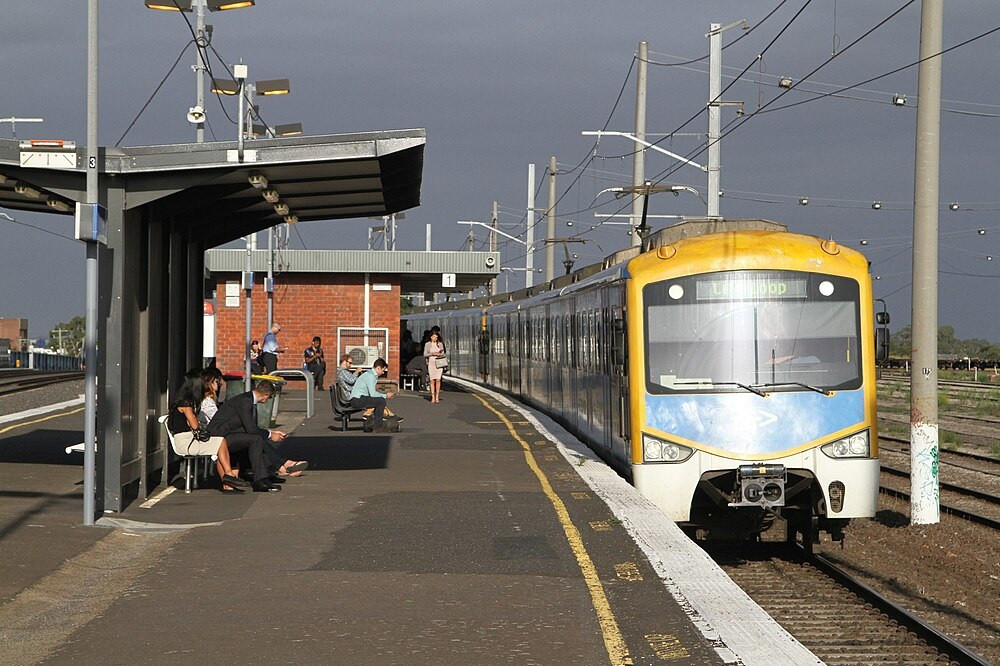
(190, 462)
(342, 407)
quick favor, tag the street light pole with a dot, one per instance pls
(90, 327)
(200, 67)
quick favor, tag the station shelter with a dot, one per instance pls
(161, 208)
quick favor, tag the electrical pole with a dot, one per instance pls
(639, 155)
(550, 250)
(529, 239)
(714, 122)
(493, 246)
(924, 444)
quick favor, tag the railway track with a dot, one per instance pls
(843, 621)
(17, 381)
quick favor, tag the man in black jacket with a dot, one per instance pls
(236, 420)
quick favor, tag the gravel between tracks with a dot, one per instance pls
(41, 397)
(948, 573)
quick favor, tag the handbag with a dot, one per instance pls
(201, 434)
(441, 362)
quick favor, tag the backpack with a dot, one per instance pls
(391, 423)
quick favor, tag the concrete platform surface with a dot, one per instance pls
(479, 534)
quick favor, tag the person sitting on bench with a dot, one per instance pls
(365, 393)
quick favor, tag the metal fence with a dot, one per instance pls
(39, 361)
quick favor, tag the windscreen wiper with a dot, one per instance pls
(805, 386)
(745, 387)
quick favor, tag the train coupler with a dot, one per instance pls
(760, 486)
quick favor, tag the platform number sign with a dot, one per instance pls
(448, 280)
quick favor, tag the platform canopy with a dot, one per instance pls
(219, 190)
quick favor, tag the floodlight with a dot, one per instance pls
(982, 232)
(170, 5)
(864, 242)
(876, 205)
(291, 219)
(281, 209)
(258, 130)
(225, 87)
(953, 206)
(223, 5)
(288, 129)
(273, 87)
(271, 197)
(258, 181)
(803, 201)
(785, 82)
(899, 100)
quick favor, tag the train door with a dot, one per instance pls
(618, 390)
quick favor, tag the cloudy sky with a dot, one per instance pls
(499, 85)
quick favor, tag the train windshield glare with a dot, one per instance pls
(752, 330)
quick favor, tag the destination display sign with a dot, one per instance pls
(756, 288)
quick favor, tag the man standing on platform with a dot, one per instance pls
(270, 349)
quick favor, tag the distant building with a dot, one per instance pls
(15, 330)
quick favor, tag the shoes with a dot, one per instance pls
(231, 491)
(265, 487)
(399, 419)
(300, 466)
(276, 479)
(235, 481)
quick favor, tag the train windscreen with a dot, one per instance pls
(752, 330)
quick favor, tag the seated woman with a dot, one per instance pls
(191, 438)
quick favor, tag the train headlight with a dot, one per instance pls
(855, 446)
(658, 450)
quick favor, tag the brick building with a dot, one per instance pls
(350, 298)
(15, 330)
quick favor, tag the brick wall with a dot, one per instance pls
(306, 304)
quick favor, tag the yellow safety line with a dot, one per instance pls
(44, 418)
(613, 640)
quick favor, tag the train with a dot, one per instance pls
(725, 368)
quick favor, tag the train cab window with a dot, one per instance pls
(781, 331)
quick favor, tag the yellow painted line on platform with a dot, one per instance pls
(44, 418)
(613, 640)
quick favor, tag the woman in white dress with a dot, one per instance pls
(434, 349)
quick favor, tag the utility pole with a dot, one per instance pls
(714, 109)
(714, 122)
(493, 246)
(550, 250)
(924, 443)
(529, 239)
(639, 155)
(201, 42)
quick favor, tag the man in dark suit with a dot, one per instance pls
(236, 420)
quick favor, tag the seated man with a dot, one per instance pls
(236, 420)
(365, 393)
(418, 366)
(347, 374)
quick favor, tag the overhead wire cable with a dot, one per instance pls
(155, 91)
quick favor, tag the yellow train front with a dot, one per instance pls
(730, 376)
(752, 390)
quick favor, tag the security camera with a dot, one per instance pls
(490, 261)
(196, 115)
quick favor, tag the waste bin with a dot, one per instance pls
(267, 412)
(235, 384)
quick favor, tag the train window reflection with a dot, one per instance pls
(770, 328)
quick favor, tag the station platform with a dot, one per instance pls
(481, 533)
